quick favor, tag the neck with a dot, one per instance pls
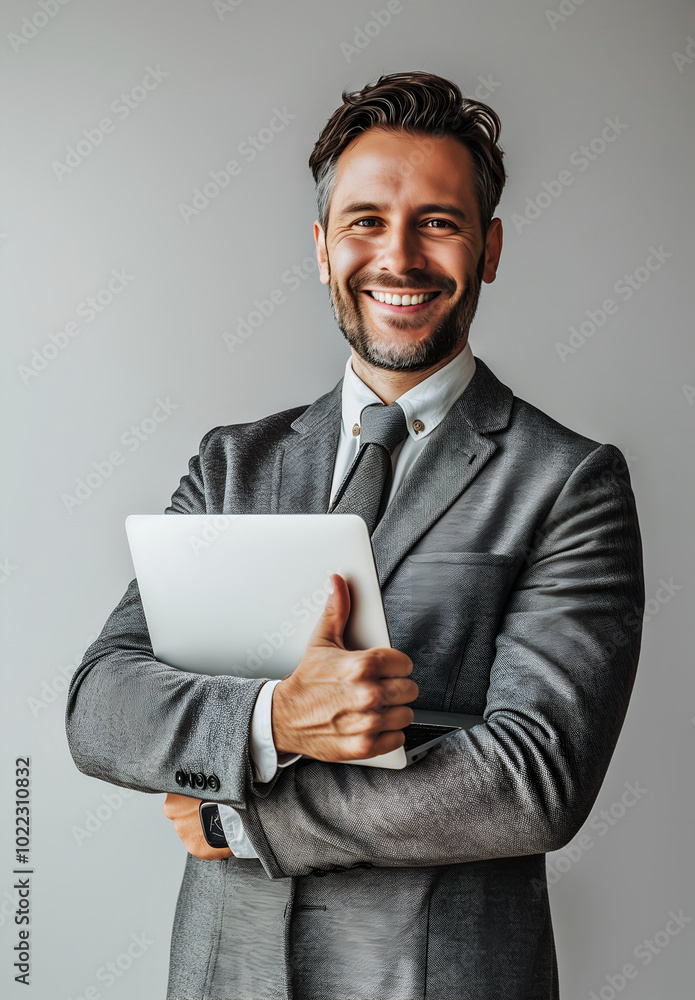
(389, 385)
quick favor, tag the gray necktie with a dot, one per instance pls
(366, 487)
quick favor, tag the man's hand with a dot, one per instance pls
(341, 705)
(183, 811)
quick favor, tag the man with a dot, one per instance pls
(509, 557)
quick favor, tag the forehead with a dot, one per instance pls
(393, 166)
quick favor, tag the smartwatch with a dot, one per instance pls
(212, 825)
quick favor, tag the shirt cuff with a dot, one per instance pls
(239, 844)
(264, 756)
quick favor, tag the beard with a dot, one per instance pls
(450, 331)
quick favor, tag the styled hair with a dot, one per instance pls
(422, 104)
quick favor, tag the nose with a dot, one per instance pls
(400, 250)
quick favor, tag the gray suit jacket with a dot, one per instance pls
(511, 569)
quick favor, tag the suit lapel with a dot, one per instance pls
(454, 455)
(309, 457)
(452, 458)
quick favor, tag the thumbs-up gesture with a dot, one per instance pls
(340, 704)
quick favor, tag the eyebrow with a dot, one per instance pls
(356, 207)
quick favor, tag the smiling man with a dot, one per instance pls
(405, 268)
(509, 557)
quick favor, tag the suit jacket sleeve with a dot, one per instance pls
(135, 721)
(523, 781)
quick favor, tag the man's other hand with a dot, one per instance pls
(339, 704)
(182, 810)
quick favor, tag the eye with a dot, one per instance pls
(359, 221)
(445, 222)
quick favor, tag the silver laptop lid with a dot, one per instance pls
(241, 593)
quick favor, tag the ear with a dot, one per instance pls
(321, 255)
(493, 250)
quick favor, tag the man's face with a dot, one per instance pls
(403, 220)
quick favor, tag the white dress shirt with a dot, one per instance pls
(425, 406)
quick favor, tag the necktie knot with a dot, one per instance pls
(384, 425)
(365, 489)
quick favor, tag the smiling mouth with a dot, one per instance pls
(396, 299)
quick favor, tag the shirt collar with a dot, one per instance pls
(425, 404)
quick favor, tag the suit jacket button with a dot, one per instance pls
(199, 780)
(180, 777)
(213, 783)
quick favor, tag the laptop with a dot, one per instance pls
(241, 594)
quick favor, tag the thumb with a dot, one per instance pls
(330, 626)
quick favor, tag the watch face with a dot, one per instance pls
(212, 824)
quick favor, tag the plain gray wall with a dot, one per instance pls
(554, 78)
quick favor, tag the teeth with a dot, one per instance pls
(403, 300)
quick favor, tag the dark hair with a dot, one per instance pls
(422, 104)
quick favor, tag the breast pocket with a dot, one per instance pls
(457, 601)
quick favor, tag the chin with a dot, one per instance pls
(400, 357)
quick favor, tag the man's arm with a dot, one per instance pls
(134, 721)
(525, 780)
